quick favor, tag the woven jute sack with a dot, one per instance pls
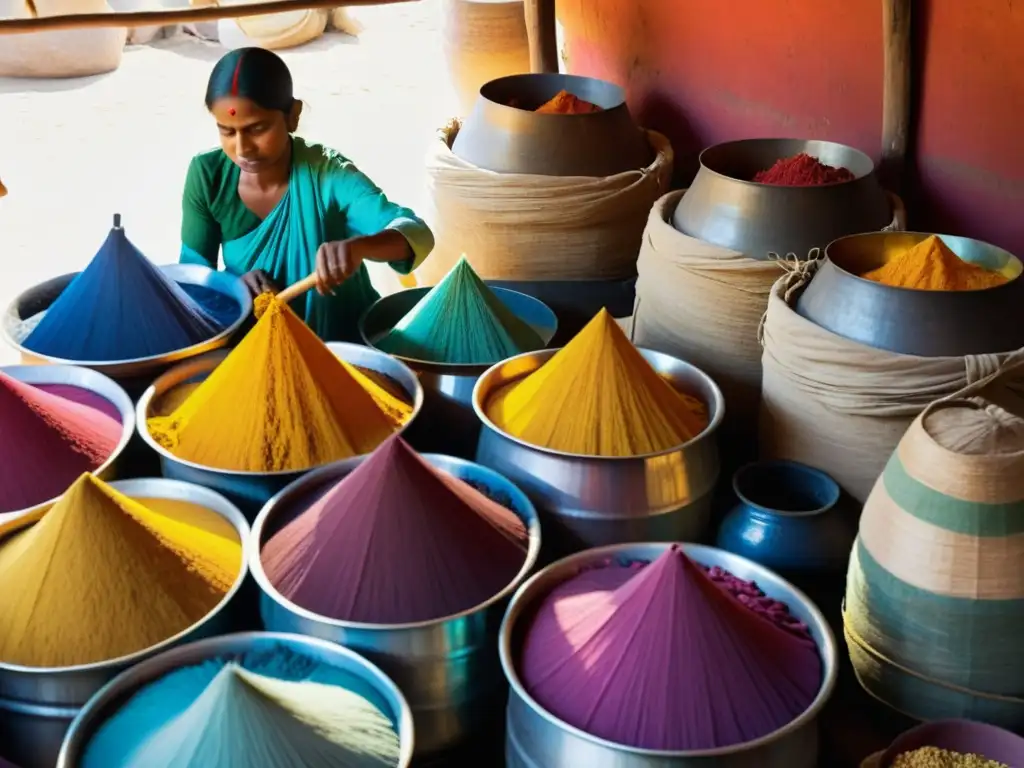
(842, 406)
(704, 303)
(934, 608)
(524, 227)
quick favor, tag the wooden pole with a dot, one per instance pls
(540, 29)
(180, 16)
(896, 18)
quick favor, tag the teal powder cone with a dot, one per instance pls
(460, 322)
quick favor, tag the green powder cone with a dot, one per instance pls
(460, 322)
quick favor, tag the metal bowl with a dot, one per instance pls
(723, 207)
(38, 703)
(251, 490)
(587, 501)
(504, 139)
(963, 736)
(117, 692)
(89, 380)
(138, 371)
(537, 738)
(447, 423)
(448, 668)
(909, 321)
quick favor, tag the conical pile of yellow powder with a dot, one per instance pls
(101, 576)
(932, 266)
(281, 401)
(597, 396)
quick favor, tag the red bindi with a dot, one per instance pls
(231, 111)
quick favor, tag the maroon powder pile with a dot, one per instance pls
(82, 397)
(47, 442)
(659, 656)
(802, 171)
(394, 542)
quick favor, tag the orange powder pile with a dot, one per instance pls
(281, 401)
(564, 103)
(932, 266)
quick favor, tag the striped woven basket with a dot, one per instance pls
(934, 610)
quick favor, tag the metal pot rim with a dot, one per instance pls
(827, 649)
(798, 466)
(716, 409)
(161, 487)
(207, 362)
(789, 189)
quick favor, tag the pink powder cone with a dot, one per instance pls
(47, 442)
(660, 657)
(396, 541)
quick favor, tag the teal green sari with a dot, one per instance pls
(328, 199)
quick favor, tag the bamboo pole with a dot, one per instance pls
(540, 29)
(178, 16)
(896, 107)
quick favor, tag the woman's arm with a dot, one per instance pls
(200, 233)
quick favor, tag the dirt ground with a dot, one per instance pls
(73, 152)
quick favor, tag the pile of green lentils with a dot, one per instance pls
(933, 757)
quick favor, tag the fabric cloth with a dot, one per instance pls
(328, 199)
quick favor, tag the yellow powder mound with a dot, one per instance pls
(565, 103)
(101, 576)
(932, 266)
(597, 396)
(281, 401)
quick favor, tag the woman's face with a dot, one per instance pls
(255, 138)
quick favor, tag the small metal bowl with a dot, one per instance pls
(251, 490)
(447, 423)
(119, 690)
(38, 703)
(909, 321)
(504, 139)
(135, 373)
(963, 736)
(91, 381)
(723, 207)
(535, 737)
(448, 667)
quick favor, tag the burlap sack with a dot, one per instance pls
(842, 406)
(525, 227)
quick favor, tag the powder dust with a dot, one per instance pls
(598, 396)
(101, 576)
(932, 266)
(933, 757)
(280, 401)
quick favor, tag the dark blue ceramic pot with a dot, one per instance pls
(788, 518)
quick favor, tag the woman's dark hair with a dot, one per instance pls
(255, 74)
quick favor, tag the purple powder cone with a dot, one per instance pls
(661, 657)
(396, 541)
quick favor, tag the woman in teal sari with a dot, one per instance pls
(278, 208)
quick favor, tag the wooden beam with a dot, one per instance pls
(896, 107)
(540, 29)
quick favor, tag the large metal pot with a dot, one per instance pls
(448, 668)
(504, 139)
(723, 207)
(90, 381)
(537, 738)
(251, 490)
(447, 423)
(106, 702)
(908, 321)
(134, 374)
(37, 704)
(587, 501)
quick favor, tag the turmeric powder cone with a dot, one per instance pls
(932, 266)
(281, 401)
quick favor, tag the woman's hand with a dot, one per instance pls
(336, 262)
(259, 282)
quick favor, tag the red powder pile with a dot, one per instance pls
(802, 171)
(47, 442)
(396, 541)
(659, 656)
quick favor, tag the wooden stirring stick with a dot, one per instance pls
(295, 290)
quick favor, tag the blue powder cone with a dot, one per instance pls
(119, 308)
(460, 322)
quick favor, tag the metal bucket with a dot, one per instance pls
(587, 501)
(448, 668)
(251, 490)
(447, 423)
(107, 701)
(91, 381)
(134, 375)
(37, 704)
(537, 738)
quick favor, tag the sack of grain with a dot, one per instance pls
(525, 227)
(935, 592)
